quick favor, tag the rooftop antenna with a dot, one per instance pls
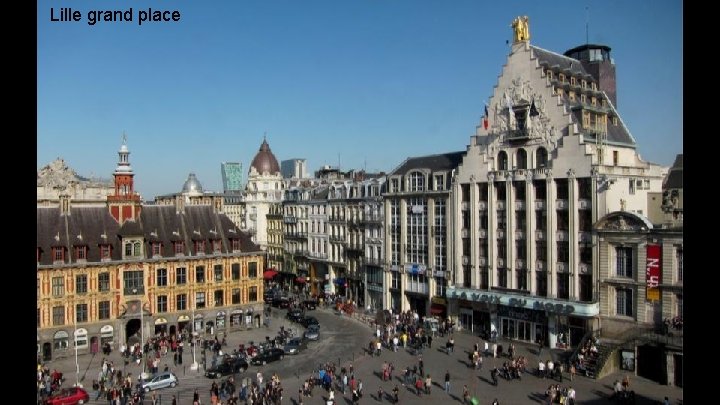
(587, 25)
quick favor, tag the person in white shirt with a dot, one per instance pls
(541, 369)
(571, 396)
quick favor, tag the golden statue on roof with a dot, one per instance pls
(521, 30)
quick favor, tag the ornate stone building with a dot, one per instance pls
(550, 158)
(57, 179)
(124, 271)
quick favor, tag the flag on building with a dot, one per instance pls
(533, 110)
(485, 118)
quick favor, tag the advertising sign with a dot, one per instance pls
(652, 273)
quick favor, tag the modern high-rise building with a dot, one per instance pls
(294, 169)
(232, 177)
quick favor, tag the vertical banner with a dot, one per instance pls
(652, 273)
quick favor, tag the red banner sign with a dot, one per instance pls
(652, 272)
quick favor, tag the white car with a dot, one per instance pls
(162, 380)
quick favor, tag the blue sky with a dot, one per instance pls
(361, 83)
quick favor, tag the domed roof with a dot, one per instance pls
(192, 185)
(264, 161)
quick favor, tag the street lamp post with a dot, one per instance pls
(194, 365)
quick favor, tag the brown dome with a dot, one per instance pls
(264, 161)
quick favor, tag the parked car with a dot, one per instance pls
(268, 356)
(312, 332)
(162, 380)
(310, 304)
(309, 320)
(68, 396)
(281, 302)
(227, 368)
(294, 315)
(295, 345)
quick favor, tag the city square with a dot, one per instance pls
(526, 254)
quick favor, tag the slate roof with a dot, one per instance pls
(618, 134)
(435, 163)
(674, 179)
(155, 224)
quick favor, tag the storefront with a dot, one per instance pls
(522, 324)
(60, 340)
(161, 326)
(81, 338)
(236, 318)
(198, 323)
(182, 323)
(220, 320)
(438, 307)
(107, 335)
(558, 323)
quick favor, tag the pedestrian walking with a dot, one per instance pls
(572, 371)
(380, 394)
(447, 381)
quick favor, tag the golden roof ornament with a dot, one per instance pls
(521, 29)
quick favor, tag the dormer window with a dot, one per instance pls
(156, 249)
(58, 254)
(584, 84)
(583, 98)
(593, 86)
(133, 248)
(571, 95)
(179, 247)
(80, 252)
(561, 77)
(573, 81)
(199, 247)
(235, 244)
(217, 246)
(594, 101)
(105, 251)
(549, 74)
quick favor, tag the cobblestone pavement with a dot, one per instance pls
(343, 340)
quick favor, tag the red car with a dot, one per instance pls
(68, 396)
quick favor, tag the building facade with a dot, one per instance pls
(550, 158)
(232, 177)
(417, 212)
(122, 272)
(294, 169)
(264, 189)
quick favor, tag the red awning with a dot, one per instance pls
(300, 280)
(270, 273)
(437, 309)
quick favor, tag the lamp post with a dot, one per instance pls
(194, 365)
(77, 365)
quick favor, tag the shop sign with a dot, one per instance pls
(555, 308)
(652, 273)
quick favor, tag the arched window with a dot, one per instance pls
(137, 249)
(521, 159)
(541, 157)
(502, 161)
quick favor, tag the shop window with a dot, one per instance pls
(60, 340)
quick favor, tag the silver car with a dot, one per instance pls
(162, 380)
(312, 332)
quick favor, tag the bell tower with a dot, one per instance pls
(124, 204)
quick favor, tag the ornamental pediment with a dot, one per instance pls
(623, 221)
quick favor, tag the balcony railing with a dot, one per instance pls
(417, 288)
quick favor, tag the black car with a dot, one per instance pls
(268, 356)
(309, 320)
(310, 304)
(294, 315)
(227, 368)
(281, 302)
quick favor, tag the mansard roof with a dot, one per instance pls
(617, 134)
(434, 163)
(156, 223)
(674, 179)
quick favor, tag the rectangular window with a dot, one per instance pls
(563, 252)
(199, 247)
(216, 245)
(81, 252)
(105, 252)
(180, 275)
(133, 282)
(218, 269)
(679, 305)
(521, 249)
(179, 248)
(394, 280)
(586, 291)
(104, 310)
(252, 270)
(200, 300)
(252, 294)
(162, 278)
(58, 255)
(679, 261)
(161, 303)
(631, 189)
(81, 312)
(624, 301)
(58, 286)
(484, 278)
(563, 285)
(181, 302)
(616, 158)
(502, 277)
(58, 315)
(586, 119)
(81, 284)
(219, 298)
(156, 249)
(541, 283)
(235, 268)
(235, 244)
(583, 98)
(624, 261)
(128, 249)
(501, 220)
(571, 95)
(104, 282)
(235, 297)
(439, 182)
(200, 274)
(522, 279)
